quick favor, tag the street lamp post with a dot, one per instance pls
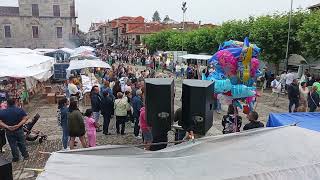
(184, 9)
(288, 41)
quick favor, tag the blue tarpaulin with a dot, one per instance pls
(304, 120)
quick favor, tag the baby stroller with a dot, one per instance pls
(32, 135)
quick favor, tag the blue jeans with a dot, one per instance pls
(65, 136)
(17, 140)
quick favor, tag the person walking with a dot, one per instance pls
(121, 107)
(304, 92)
(289, 79)
(107, 111)
(178, 70)
(96, 104)
(76, 124)
(313, 99)
(137, 104)
(276, 90)
(293, 95)
(12, 119)
(63, 121)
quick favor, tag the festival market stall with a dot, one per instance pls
(88, 79)
(236, 68)
(83, 52)
(22, 73)
(197, 59)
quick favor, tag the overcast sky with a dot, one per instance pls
(206, 11)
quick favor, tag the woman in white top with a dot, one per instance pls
(304, 91)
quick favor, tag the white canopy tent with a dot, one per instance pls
(196, 56)
(290, 153)
(26, 65)
(68, 50)
(44, 51)
(81, 64)
(16, 51)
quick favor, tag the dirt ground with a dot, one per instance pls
(48, 125)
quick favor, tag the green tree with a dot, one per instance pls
(156, 16)
(309, 35)
(271, 34)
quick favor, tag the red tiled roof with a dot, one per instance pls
(9, 11)
(148, 29)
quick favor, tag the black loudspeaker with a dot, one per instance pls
(5, 169)
(159, 103)
(197, 105)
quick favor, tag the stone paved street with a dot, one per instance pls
(48, 125)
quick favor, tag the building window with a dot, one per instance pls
(56, 10)
(73, 31)
(35, 31)
(72, 11)
(35, 10)
(7, 31)
(59, 32)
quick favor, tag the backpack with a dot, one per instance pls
(59, 117)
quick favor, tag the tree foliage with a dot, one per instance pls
(156, 16)
(269, 32)
(309, 35)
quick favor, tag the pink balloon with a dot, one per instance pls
(254, 67)
(227, 62)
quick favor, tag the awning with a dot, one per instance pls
(290, 153)
(196, 56)
(81, 64)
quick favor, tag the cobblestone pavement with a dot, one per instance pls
(48, 125)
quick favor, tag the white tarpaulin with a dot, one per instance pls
(26, 66)
(286, 153)
(16, 51)
(81, 64)
(196, 56)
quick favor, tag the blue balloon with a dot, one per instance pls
(242, 91)
(222, 86)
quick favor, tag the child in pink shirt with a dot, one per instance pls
(91, 126)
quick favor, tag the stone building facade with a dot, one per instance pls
(38, 24)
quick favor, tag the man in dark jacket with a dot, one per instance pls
(137, 104)
(96, 103)
(107, 111)
(294, 95)
(313, 99)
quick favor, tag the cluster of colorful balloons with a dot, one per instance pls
(236, 68)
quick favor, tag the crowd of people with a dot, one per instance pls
(120, 95)
(303, 95)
